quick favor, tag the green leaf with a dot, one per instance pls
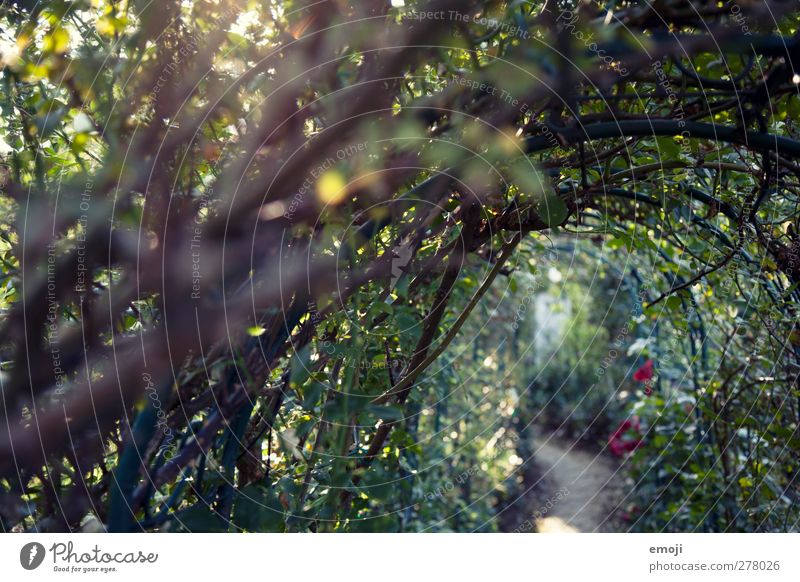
(621, 240)
(668, 148)
(258, 509)
(202, 519)
(301, 366)
(390, 413)
(312, 395)
(553, 211)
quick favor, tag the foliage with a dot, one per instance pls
(263, 262)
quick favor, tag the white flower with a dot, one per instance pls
(9, 53)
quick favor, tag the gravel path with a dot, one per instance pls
(580, 488)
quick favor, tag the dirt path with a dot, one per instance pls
(576, 490)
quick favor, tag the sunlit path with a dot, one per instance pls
(589, 483)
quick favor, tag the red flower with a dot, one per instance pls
(631, 423)
(644, 373)
(626, 438)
